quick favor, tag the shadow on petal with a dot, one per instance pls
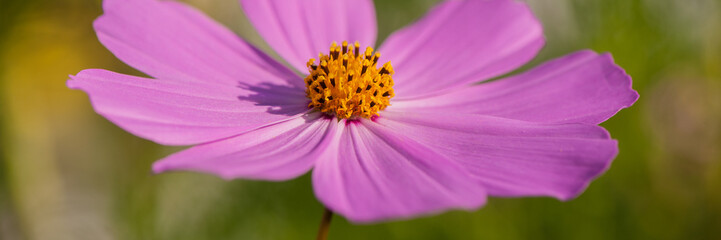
(279, 99)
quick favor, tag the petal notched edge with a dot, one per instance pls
(183, 112)
(170, 40)
(582, 87)
(513, 158)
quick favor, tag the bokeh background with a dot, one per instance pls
(67, 173)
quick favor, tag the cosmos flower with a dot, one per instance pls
(396, 133)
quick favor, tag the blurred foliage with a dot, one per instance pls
(67, 173)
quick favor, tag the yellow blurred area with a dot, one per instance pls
(41, 120)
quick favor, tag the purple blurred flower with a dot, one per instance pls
(443, 143)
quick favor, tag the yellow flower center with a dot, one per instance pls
(346, 83)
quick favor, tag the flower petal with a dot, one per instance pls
(461, 42)
(181, 112)
(277, 152)
(170, 40)
(370, 173)
(300, 29)
(583, 87)
(510, 157)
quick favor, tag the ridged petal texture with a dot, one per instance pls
(277, 152)
(461, 42)
(300, 29)
(372, 173)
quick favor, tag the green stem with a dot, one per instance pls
(325, 224)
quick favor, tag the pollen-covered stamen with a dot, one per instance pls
(348, 83)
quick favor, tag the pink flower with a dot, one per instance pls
(443, 142)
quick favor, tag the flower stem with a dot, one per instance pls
(325, 224)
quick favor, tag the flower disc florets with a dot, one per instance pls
(346, 83)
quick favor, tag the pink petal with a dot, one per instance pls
(300, 29)
(510, 157)
(461, 42)
(170, 40)
(182, 112)
(277, 152)
(582, 87)
(370, 173)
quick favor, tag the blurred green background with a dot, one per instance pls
(67, 173)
